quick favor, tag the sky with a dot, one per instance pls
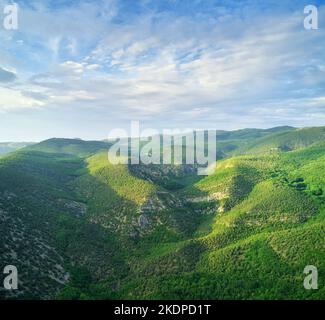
(83, 68)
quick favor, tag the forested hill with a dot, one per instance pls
(78, 227)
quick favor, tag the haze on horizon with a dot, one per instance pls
(82, 68)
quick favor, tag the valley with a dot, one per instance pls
(78, 227)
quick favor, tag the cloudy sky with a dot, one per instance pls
(82, 68)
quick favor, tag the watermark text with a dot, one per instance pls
(10, 17)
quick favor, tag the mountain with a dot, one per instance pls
(78, 227)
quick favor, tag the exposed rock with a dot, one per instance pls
(209, 198)
(78, 209)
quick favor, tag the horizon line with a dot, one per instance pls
(111, 138)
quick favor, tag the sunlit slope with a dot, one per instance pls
(258, 247)
(126, 199)
(113, 195)
(233, 179)
(263, 266)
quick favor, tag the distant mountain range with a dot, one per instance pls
(7, 147)
(78, 227)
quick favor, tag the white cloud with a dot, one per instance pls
(158, 66)
(14, 100)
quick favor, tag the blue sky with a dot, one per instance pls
(82, 68)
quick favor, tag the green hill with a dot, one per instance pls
(286, 141)
(76, 147)
(78, 227)
(257, 249)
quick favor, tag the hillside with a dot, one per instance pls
(286, 141)
(75, 147)
(82, 228)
